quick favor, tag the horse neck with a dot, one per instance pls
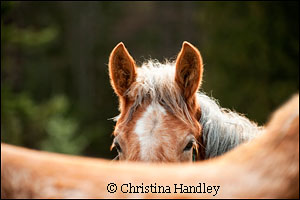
(222, 129)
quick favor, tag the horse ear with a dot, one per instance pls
(189, 70)
(122, 69)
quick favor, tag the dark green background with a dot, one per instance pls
(55, 90)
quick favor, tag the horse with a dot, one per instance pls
(266, 167)
(163, 115)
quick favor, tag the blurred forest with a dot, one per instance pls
(55, 90)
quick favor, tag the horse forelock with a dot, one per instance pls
(155, 83)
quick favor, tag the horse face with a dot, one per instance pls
(159, 115)
(155, 135)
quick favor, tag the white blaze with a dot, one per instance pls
(145, 129)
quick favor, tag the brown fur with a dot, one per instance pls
(189, 69)
(187, 79)
(121, 69)
(127, 140)
(267, 167)
(166, 150)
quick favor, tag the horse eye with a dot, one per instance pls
(189, 146)
(117, 145)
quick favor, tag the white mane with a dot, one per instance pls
(222, 129)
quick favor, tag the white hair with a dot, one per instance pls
(222, 129)
(156, 81)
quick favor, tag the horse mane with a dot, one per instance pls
(222, 129)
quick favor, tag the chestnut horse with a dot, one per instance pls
(163, 117)
(266, 167)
